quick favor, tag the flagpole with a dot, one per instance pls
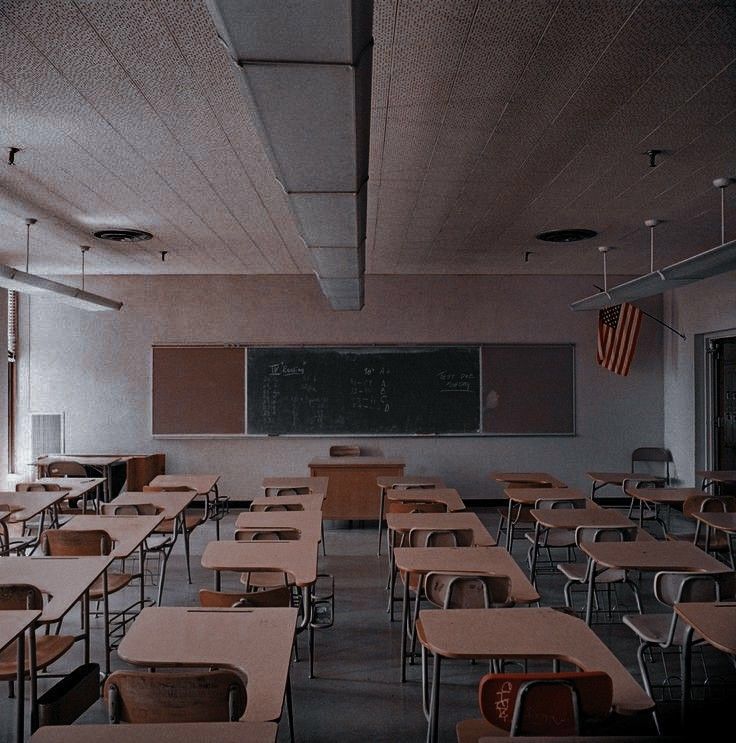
(656, 319)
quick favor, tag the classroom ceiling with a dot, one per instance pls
(491, 121)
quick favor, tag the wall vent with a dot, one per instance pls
(47, 434)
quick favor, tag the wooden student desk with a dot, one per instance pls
(309, 523)
(528, 478)
(308, 502)
(77, 486)
(272, 485)
(601, 479)
(173, 503)
(647, 556)
(716, 623)
(520, 497)
(406, 482)
(486, 560)
(352, 492)
(176, 732)
(13, 626)
(518, 633)
(672, 497)
(720, 477)
(205, 485)
(24, 506)
(255, 642)
(403, 523)
(449, 496)
(570, 518)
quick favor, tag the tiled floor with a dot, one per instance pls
(356, 695)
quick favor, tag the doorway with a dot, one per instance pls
(723, 354)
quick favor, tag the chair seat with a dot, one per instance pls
(471, 731)
(261, 579)
(49, 648)
(115, 581)
(523, 515)
(655, 628)
(576, 571)
(167, 526)
(554, 538)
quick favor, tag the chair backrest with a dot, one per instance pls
(544, 704)
(671, 587)
(76, 542)
(65, 469)
(652, 455)
(606, 534)
(415, 506)
(190, 696)
(131, 509)
(465, 591)
(20, 596)
(267, 535)
(441, 538)
(302, 490)
(269, 597)
(276, 507)
(342, 450)
(544, 504)
(37, 487)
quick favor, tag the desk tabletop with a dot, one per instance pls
(449, 496)
(179, 732)
(309, 502)
(716, 622)
(394, 481)
(670, 496)
(722, 521)
(309, 523)
(127, 532)
(29, 504)
(95, 460)
(529, 633)
(203, 484)
(173, 502)
(404, 522)
(256, 642)
(356, 462)
(617, 478)
(315, 484)
(64, 579)
(718, 475)
(297, 558)
(528, 496)
(79, 485)
(653, 555)
(15, 622)
(571, 518)
(490, 560)
(540, 478)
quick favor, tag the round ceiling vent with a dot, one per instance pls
(566, 236)
(123, 236)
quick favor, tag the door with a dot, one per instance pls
(724, 401)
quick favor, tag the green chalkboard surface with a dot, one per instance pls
(366, 390)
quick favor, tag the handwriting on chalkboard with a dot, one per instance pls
(456, 382)
(281, 369)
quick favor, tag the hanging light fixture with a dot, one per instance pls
(28, 283)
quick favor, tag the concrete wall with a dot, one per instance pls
(705, 307)
(96, 367)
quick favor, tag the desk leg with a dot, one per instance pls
(20, 692)
(33, 674)
(509, 536)
(685, 668)
(404, 626)
(381, 511)
(85, 611)
(591, 593)
(535, 550)
(141, 564)
(106, 622)
(434, 704)
(218, 580)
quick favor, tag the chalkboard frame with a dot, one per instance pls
(475, 434)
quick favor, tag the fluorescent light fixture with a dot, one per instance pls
(720, 259)
(28, 283)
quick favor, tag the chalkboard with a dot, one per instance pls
(363, 390)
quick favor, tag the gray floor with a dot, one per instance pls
(356, 695)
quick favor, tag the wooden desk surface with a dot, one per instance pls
(257, 642)
(571, 518)
(29, 504)
(361, 462)
(722, 521)
(541, 478)
(617, 478)
(203, 484)
(529, 496)
(386, 482)
(718, 475)
(65, 579)
(315, 484)
(670, 496)
(490, 560)
(449, 496)
(180, 732)
(529, 633)
(653, 555)
(309, 502)
(173, 503)
(95, 460)
(404, 522)
(14, 622)
(78, 485)
(309, 523)
(296, 558)
(127, 532)
(716, 622)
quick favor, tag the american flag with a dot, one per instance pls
(618, 331)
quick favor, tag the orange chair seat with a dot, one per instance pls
(115, 581)
(49, 648)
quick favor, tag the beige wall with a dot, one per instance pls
(95, 367)
(708, 306)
